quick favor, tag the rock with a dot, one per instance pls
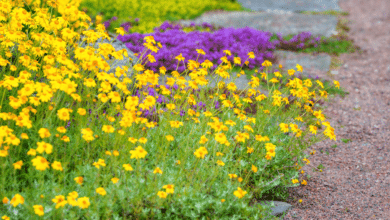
(118, 45)
(334, 72)
(324, 25)
(291, 5)
(289, 60)
(277, 207)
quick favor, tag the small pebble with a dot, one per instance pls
(345, 66)
(380, 158)
(334, 72)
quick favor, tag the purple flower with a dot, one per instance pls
(217, 105)
(106, 24)
(182, 113)
(160, 99)
(152, 92)
(68, 125)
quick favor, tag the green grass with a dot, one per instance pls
(329, 12)
(152, 13)
(346, 140)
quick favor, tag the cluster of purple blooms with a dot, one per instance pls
(175, 41)
(239, 41)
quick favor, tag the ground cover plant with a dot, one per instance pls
(147, 14)
(77, 142)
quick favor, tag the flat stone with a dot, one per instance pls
(334, 72)
(118, 45)
(291, 5)
(323, 25)
(280, 207)
(289, 60)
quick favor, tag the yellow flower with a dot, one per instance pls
(142, 140)
(5, 200)
(24, 136)
(337, 84)
(232, 176)
(44, 147)
(5, 217)
(108, 129)
(169, 188)
(284, 127)
(307, 161)
(220, 138)
(120, 31)
(40, 163)
(291, 72)
(63, 114)
(294, 181)
(304, 182)
(300, 201)
(83, 202)
(239, 193)
(223, 200)
(81, 111)
(313, 129)
(56, 165)
(219, 154)
(138, 153)
(18, 165)
(266, 63)
(180, 57)
(251, 56)
(108, 153)
(115, 153)
(99, 163)
(32, 152)
(220, 163)
(250, 150)
(240, 179)
(132, 140)
(201, 152)
(157, 170)
(79, 180)
(127, 167)
(61, 129)
(101, 191)
(254, 169)
(44, 133)
(200, 51)
(162, 194)
(299, 68)
(16, 200)
(71, 198)
(59, 201)
(320, 83)
(169, 137)
(38, 209)
(176, 124)
(114, 180)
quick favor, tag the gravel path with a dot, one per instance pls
(355, 183)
